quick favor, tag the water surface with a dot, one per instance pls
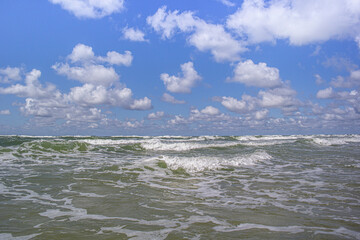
(168, 187)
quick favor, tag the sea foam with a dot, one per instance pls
(202, 163)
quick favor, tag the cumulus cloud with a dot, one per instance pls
(87, 68)
(156, 115)
(210, 110)
(84, 54)
(92, 95)
(171, 99)
(325, 93)
(347, 82)
(299, 21)
(258, 75)
(245, 105)
(93, 74)
(81, 53)
(282, 97)
(32, 87)
(204, 36)
(343, 110)
(10, 74)
(208, 114)
(278, 97)
(91, 8)
(135, 35)
(184, 83)
(80, 106)
(351, 96)
(101, 83)
(55, 108)
(116, 58)
(141, 104)
(260, 115)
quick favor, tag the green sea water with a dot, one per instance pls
(173, 187)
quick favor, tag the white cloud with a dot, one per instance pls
(99, 80)
(32, 87)
(178, 120)
(91, 8)
(227, 3)
(134, 35)
(202, 35)
(156, 115)
(117, 58)
(245, 105)
(318, 79)
(79, 107)
(171, 99)
(299, 21)
(347, 82)
(181, 84)
(210, 110)
(325, 93)
(81, 53)
(84, 54)
(278, 97)
(5, 112)
(10, 74)
(92, 95)
(141, 104)
(89, 69)
(54, 108)
(208, 114)
(258, 75)
(282, 97)
(355, 77)
(260, 115)
(94, 74)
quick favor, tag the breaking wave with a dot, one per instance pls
(203, 163)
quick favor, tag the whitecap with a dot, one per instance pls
(202, 163)
(158, 145)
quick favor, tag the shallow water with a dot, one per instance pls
(173, 187)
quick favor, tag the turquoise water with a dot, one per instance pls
(249, 187)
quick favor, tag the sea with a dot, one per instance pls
(180, 187)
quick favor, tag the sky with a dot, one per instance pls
(190, 67)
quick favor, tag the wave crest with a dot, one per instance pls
(203, 163)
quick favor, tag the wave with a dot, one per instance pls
(166, 143)
(203, 163)
(338, 140)
(157, 145)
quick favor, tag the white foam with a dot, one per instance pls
(74, 214)
(158, 145)
(288, 229)
(334, 139)
(340, 232)
(111, 141)
(328, 141)
(9, 236)
(202, 163)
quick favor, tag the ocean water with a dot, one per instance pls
(174, 187)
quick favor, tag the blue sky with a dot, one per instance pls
(225, 67)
